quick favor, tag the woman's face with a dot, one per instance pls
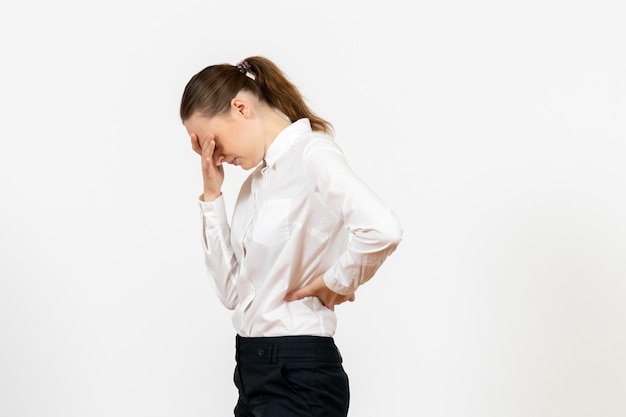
(235, 138)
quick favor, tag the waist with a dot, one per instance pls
(286, 348)
(264, 316)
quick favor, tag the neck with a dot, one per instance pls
(276, 123)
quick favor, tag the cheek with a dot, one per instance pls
(239, 148)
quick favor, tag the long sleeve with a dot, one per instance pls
(300, 214)
(219, 258)
(374, 230)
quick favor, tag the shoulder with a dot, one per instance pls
(318, 144)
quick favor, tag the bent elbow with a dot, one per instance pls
(393, 231)
(386, 236)
(392, 234)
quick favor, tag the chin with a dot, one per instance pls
(246, 166)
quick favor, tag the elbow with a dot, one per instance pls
(385, 237)
(393, 231)
(392, 235)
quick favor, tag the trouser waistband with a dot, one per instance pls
(286, 348)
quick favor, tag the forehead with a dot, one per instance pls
(197, 123)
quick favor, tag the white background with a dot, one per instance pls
(495, 130)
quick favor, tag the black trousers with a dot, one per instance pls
(290, 376)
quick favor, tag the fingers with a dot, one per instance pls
(195, 144)
(297, 294)
(315, 287)
(201, 145)
(328, 298)
(332, 299)
(207, 146)
(211, 161)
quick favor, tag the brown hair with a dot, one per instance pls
(210, 91)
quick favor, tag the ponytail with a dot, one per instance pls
(210, 91)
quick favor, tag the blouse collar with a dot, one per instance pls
(285, 139)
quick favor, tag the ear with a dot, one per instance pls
(240, 107)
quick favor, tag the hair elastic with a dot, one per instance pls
(245, 68)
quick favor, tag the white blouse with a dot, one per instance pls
(300, 214)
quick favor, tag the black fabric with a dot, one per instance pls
(290, 376)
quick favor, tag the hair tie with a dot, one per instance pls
(245, 68)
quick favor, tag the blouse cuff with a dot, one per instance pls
(213, 211)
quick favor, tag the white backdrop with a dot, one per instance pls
(496, 132)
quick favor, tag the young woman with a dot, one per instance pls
(305, 233)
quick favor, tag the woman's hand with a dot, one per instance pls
(318, 289)
(212, 174)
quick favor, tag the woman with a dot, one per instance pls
(305, 233)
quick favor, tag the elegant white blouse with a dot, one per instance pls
(300, 214)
